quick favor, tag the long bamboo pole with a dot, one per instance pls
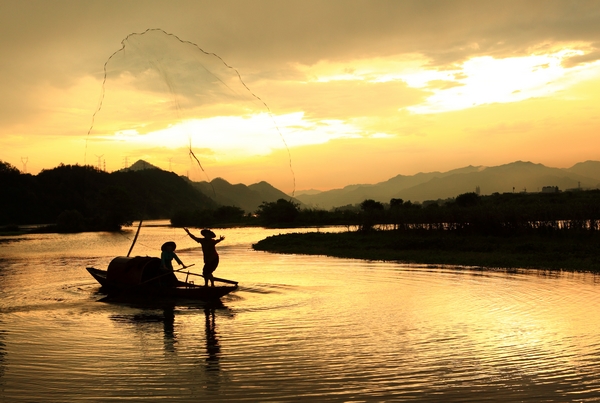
(135, 238)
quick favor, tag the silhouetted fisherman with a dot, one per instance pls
(211, 257)
(166, 259)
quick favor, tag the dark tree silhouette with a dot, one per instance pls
(280, 212)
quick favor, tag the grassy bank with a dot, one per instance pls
(556, 251)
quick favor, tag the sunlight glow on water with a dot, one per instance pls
(299, 328)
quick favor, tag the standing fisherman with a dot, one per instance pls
(211, 257)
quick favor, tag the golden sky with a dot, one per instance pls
(344, 92)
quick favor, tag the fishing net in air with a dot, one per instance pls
(185, 109)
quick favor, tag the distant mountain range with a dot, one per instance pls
(517, 176)
(514, 177)
(248, 198)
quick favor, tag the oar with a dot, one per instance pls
(164, 274)
(185, 267)
(223, 280)
(215, 278)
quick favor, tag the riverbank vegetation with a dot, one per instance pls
(546, 231)
(540, 251)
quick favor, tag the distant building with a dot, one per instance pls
(550, 189)
(477, 190)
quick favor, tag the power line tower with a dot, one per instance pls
(24, 160)
(100, 161)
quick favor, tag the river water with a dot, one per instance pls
(300, 328)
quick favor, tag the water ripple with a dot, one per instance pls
(299, 328)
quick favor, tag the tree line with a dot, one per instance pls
(496, 214)
(74, 198)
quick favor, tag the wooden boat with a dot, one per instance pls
(141, 276)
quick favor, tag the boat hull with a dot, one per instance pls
(178, 290)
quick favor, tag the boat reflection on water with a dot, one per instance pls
(148, 319)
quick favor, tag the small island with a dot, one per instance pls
(420, 247)
(558, 231)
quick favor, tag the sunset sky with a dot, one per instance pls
(332, 93)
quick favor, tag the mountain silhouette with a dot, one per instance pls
(248, 198)
(590, 169)
(518, 176)
(141, 165)
(92, 199)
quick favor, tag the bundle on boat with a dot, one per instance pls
(142, 276)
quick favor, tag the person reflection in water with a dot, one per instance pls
(213, 349)
(169, 329)
(166, 260)
(211, 257)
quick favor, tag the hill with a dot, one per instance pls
(518, 176)
(84, 198)
(248, 198)
(141, 165)
(590, 169)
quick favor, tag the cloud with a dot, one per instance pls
(343, 99)
(582, 59)
(53, 55)
(443, 84)
(264, 32)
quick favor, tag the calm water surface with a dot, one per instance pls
(300, 328)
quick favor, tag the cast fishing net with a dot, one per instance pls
(167, 97)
